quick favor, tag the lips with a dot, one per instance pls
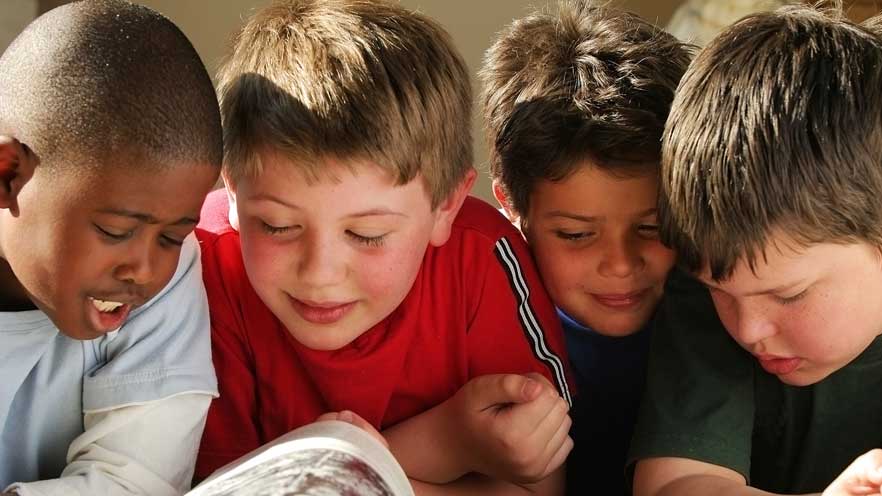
(107, 315)
(776, 365)
(621, 301)
(327, 312)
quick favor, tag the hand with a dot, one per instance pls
(354, 419)
(862, 477)
(511, 427)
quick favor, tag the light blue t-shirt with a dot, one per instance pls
(48, 381)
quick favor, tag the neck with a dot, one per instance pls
(13, 297)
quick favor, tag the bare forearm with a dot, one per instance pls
(425, 447)
(702, 485)
(472, 484)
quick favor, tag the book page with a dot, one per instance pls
(323, 458)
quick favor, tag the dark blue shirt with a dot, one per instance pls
(610, 374)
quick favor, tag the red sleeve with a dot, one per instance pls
(516, 328)
(231, 429)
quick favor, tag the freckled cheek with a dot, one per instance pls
(389, 274)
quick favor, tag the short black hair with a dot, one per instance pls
(102, 80)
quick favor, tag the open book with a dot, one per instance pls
(323, 458)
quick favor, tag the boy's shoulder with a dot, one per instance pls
(214, 218)
(222, 263)
(477, 217)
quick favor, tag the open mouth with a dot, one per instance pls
(107, 315)
(106, 306)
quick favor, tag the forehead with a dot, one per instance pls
(160, 190)
(590, 187)
(347, 181)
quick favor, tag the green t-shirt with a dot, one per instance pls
(707, 399)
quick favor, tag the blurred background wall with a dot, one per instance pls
(473, 24)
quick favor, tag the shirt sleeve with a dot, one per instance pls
(146, 449)
(699, 398)
(516, 328)
(228, 434)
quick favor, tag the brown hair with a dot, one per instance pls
(350, 79)
(106, 82)
(584, 82)
(777, 126)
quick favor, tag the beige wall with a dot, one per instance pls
(472, 23)
(14, 16)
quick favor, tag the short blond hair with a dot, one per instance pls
(348, 79)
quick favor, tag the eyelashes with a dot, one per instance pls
(369, 241)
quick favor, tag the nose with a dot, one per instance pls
(321, 262)
(753, 325)
(621, 258)
(139, 267)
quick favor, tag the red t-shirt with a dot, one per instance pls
(476, 307)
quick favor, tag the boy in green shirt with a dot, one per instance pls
(770, 194)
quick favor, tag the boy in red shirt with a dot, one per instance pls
(347, 269)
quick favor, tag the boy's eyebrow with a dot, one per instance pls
(568, 215)
(275, 199)
(376, 211)
(586, 218)
(147, 218)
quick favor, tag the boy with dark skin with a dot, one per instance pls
(109, 142)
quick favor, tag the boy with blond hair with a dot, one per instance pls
(348, 270)
(575, 101)
(110, 139)
(771, 187)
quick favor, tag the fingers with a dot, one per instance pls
(494, 390)
(559, 447)
(536, 435)
(353, 418)
(863, 476)
(552, 435)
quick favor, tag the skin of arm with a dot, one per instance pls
(681, 476)
(506, 426)
(684, 477)
(469, 484)
(473, 483)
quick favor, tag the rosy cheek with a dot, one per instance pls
(384, 273)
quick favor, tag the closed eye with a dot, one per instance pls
(113, 235)
(372, 241)
(573, 236)
(275, 230)
(788, 300)
(648, 230)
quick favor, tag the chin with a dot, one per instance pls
(798, 379)
(617, 332)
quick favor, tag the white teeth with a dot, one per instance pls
(105, 306)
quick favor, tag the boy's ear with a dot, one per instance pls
(504, 202)
(449, 208)
(17, 165)
(230, 188)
